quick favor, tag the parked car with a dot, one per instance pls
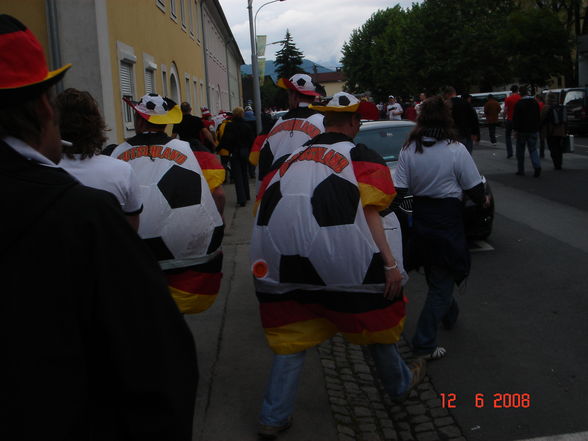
(576, 103)
(276, 115)
(387, 138)
(479, 99)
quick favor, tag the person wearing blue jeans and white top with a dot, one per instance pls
(436, 170)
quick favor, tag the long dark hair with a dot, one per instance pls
(434, 121)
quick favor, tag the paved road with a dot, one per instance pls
(523, 331)
(524, 321)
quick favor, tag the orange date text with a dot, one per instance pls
(496, 401)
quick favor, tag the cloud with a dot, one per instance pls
(318, 27)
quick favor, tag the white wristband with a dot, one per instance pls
(390, 268)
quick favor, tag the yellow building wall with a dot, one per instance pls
(147, 29)
(32, 14)
(332, 88)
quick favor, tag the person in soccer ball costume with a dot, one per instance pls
(322, 264)
(180, 222)
(291, 130)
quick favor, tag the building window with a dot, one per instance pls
(173, 88)
(160, 4)
(187, 87)
(183, 14)
(190, 18)
(197, 21)
(127, 89)
(150, 68)
(164, 80)
(127, 60)
(196, 103)
(172, 9)
(149, 81)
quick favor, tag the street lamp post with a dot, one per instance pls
(256, 91)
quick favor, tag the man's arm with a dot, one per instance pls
(218, 194)
(393, 276)
(208, 138)
(134, 221)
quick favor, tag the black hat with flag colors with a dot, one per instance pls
(23, 70)
(341, 102)
(300, 83)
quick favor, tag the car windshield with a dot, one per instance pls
(479, 101)
(574, 98)
(387, 141)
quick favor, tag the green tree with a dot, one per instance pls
(535, 60)
(456, 44)
(288, 58)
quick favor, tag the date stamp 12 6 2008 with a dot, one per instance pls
(496, 401)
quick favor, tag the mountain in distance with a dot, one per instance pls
(270, 68)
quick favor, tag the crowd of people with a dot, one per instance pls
(137, 229)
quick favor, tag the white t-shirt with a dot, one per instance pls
(106, 173)
(442, 171)
(394, 108)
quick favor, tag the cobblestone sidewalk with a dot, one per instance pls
(363, 411)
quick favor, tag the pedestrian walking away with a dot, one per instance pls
(436, 169)
(180, 221)
(83, 126)
(237, 139)
(293, 129)
(553, 125)
(525, 124)
(509, 106)
(350, 282)
(192, 127)
(491, 111)
(464, 118)
(94, 344)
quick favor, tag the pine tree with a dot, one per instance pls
(289, 58)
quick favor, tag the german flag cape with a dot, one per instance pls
(316, 268)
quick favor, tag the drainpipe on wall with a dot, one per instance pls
(205, 55)
(228, 72)
(53, 31)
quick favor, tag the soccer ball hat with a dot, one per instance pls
(23, 70)
(341, 102)
(300, 83)
(156, 109)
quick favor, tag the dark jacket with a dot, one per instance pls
(464, 117)
(526, 115)
(438, 236)
(238, 136)
(94, 347)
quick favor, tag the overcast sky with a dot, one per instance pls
(318, 27)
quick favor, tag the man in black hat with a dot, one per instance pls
(93, 344)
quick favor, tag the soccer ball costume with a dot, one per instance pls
(180, 221)
(317, 269)
(291, 130)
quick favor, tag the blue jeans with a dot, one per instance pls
(439, 306)
(278, 403)
(507, 136)
(530, 140)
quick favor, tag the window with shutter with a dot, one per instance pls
(127, 88)
(149, 81)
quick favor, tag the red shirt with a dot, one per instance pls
(509, 105)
